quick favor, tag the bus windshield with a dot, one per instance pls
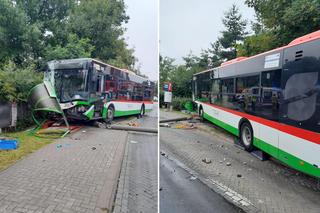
(70, 84)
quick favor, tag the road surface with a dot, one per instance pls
(251, 184)
(181, 192)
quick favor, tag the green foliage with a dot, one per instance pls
(166, 67)
(15, 83)
(256, 44)
(181, 80)
(178, 103)
(34, 31)
(234, 32)
(12, 31)
(75, 48)
(101, 22)
(287, 19)
(179, 76)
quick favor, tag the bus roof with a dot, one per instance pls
(240, 60)
(80, 61)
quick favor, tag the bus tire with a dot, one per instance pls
(110, 114)
(246, 136)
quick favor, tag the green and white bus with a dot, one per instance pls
(271, 101)
(88, 89)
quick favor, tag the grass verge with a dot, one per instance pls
(27, 144)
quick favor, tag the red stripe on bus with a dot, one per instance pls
(146, 102)
(301, 133)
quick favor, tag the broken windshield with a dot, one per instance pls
(70, 84)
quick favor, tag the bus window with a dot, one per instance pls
(215, 92)
(147, 95)
(271, 79)
(203, 88)
(270, 94)
(301, 93)
(248, 82)
(227, 95)
(248, 95)
(138, 92)
(227, 86)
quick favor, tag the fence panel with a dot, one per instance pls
(5, 114)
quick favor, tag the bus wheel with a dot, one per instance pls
(246, 136)
(110, 114)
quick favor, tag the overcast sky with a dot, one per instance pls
(142, 34)
(193, 24)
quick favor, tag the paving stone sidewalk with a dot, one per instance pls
(269, 186)
(138, 184)
(68, 175)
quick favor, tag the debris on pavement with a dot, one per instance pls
(133, 123)
(184, 126)
(228, 164)
(102, 125)
(206, 160)
(194, 121)
(59, 146)
(93, 148)
(239, 175)
(165, 125)
(193, 177)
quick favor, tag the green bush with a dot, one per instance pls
(178, 103)
(15, 83)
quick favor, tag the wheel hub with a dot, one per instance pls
(246, 136)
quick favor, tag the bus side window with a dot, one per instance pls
(227, 93)
(203, 87)
(215, 97)
(248, 95)
(270, 94)
(299, 95)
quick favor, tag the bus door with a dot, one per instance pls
(97, 91)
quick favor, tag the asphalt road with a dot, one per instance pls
(182, 192)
